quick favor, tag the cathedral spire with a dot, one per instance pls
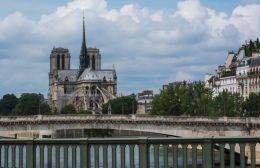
(84, 60)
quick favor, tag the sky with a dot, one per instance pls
(151, 43)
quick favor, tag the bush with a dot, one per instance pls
(68, 109)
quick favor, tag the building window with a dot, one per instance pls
(93, 62)
(104, 79)
(63, 62)
(65, 89)
(93, 90)
(58, 62)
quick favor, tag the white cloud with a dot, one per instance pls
(245, 19)
(181, 76)
(15, 26)
(191, 10)
(149, 48)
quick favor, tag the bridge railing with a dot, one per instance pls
(129, 152)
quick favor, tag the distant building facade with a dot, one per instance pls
(240, 74)
(144, 100)
(87, 87)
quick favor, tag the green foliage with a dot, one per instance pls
(252, 47)
(183, 100)
(82, 111)
(257, 44)
(167, 103)
(45, 108)
(28, 104)
(228, 104)
(7, 104)
(121, 105)
(251, 105)
(196, 100)
(68, 109)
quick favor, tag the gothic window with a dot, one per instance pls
(104, 79)
(58, 62)
(93, 90)
(91, 104)
(63, 62)
(87, 88)
(65, 89)
(93, 62)
(88, 60)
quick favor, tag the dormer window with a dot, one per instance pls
(66, 79)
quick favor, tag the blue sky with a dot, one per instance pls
(150, 42)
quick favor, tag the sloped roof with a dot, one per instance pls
(90, 74)
(68, 75)
(255, 62)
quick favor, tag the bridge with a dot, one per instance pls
(168, 125)
(127, 152)
(43, 126)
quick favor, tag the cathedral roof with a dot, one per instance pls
(90, 74)
(68, 75)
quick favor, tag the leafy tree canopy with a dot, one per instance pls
(82, 111)
(121, 105)
(68, 109)
(45, 108)
(7, 104)
(182, 100)
(30, 104)
(196, 100)
(251, 106)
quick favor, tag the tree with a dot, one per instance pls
(121, 105)
(189, 99)
(7, 104)
(251, 47)
(68, 109)
(167, 102)
(251, 106)
(257, 44)
(228, 104)
(28, 104)
(201, 98)
(45, 108)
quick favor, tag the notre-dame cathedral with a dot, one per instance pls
(87, 87)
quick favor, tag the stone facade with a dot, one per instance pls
(87, 87)
(144, 102)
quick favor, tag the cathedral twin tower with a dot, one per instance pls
(86, 88)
